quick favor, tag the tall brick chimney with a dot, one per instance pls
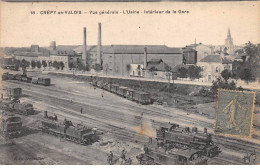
(99, 45)
(145, 57)
(84, 53)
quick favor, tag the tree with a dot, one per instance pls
(220, 84)
(61, 64)
(44, 63)
(225, 74)
(23, 63)
(253, 52)
(33, 64)
(97, 67)
(72, 65)
(194, 72)
(183, 72)
(246, 74)
(38, 64)
(55, 65)
(27, 64)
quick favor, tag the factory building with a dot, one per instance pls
(118, 58)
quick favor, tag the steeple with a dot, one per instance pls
(229, 43)
(229, 34)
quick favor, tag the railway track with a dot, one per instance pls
(123, 135)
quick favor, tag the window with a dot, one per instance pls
(217, 69)
(202, 68)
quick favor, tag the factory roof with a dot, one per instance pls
(29, 54)
(139, 49)
(131, 49)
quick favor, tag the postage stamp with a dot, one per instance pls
(234, 113)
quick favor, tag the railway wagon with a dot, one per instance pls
(129, 93)
(141, 97)
(173, 136)
(14, 92)
(44, 81)
(11, 76)
(26, 79)
(122, 91)
(114, 88)
(19, 77)
(153, 155)
(22, 108)
(11, 125)
(5, 76)
(78, 134)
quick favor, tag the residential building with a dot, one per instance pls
(202, 50)
(212, 66)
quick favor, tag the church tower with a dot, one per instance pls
(229, 43)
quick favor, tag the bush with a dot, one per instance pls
(220, 84)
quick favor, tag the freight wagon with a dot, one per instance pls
(25, 78)
(131, 94)
(14, 92)
(11, 125)
(44, 81)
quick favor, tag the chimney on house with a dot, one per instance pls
(84, 53)
(99, 45)
(145, 57)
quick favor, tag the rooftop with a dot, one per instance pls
(212, 58)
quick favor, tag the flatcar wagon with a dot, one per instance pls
(11, 125)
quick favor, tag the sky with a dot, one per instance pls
(208, 22)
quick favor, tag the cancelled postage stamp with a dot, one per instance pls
(234, 113)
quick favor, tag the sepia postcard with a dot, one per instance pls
(129, 83)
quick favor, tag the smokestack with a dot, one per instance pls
(145, 57)
(99, 45)
(84, 54)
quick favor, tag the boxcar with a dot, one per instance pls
(142, 97)
(107, 86)
(11, 125)
(26, 79)
(122, 91)
(11, 76)
(44, 81)
(14, 92)
(5, 76)
(129, 93)
(114, 88)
